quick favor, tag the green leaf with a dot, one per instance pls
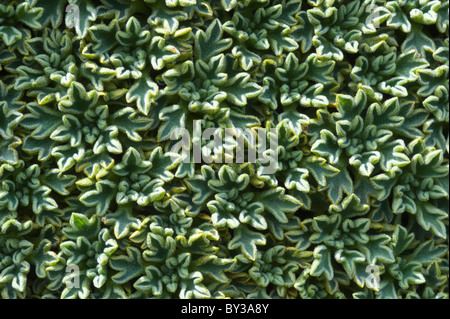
(8, 153)
(252, 215)
(398, 19)
(8, 120)
(92, 163)
(401, 240)
(327, 146)
(356, 230)
(76, 251)
(176, 77)
(100, 197)
(160, 53)
(419, 41)
(210, 43)
(199, 184)
(300, 236)
(385, 115)
(432, 80)
(314, 96)
(133, 35)
(10, 34)
(151, 281)
(326, 230)
(377, 250)
(129, 122)
(280, 40)
(87, 13)
(392, 155)
(42, 258)
(338, 185)
(98, 76)
(104, 36)
(161, 164)
(245, 57)
(408, 63)
(322, 263)
(7, 92)
(413, 118)
(277, 203)
(229, 181)
(51, 12)
(42, 119)
(215, 267)
(222, 213)
(170, 19)
(132, 164)
(246, 240)
(298, 178)
(108, 141)
(123, 221)
(407, 273)
(58, 182)
(128, 267)
(229, 4)
(40, 200)
(429, 164)
(43, 147)
(67, 156)
(350, 107)
(80, 101)
(16, 274)
(269, 92)
(388, 290)
(428, 252)
(240, 88)
(303, 33)
(327, 49)
(438, 104)
(431, 219)
(350, 207)
(70, 130)
(161, 244)
(442, 17)
(348, 259)
(192, 287)
(82, 226)
(319, 70)
(144, 92)
(30, 78)
(173, 116)
(364, 190)
(434, 276)
(81, 292)
(28, 15)
(320, 169)
(7, 195)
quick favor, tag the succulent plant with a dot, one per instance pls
(95, 201)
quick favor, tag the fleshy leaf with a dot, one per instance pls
(246, 240)
(128, 266)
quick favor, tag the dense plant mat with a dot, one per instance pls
(95, 202)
